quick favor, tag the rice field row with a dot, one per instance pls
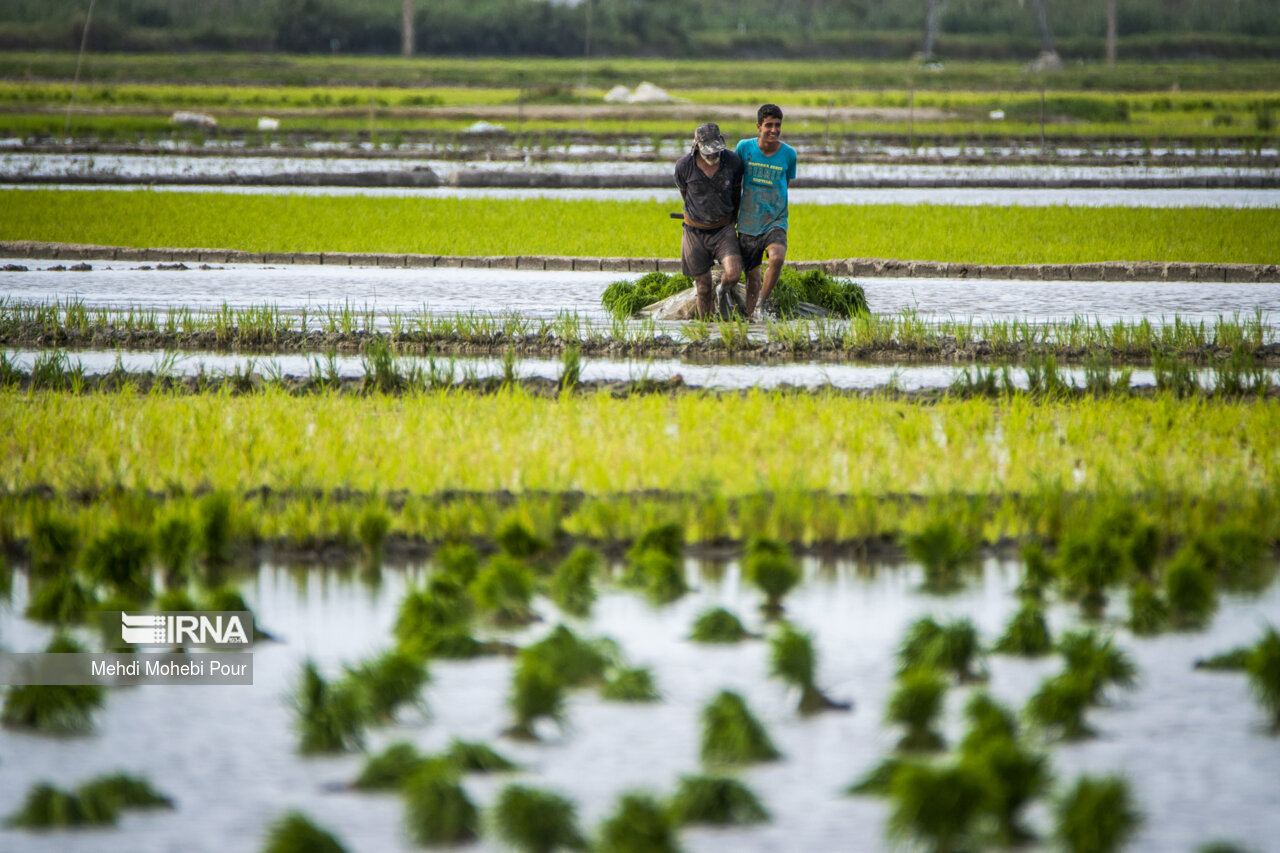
(997, 235)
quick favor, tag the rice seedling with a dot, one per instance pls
(573, 582)
(1236, 555)
(1090, 560)
(793, 659)
(718, 625)
(570, 368)
(1014, 777)
(389, 769)
(1027, 634)
(437, 809)
(47, 807)
(123, 791)
(423, 613)
(473, 757)
(54, 543)
(1189, 590)
(716, 800)
(118, 558)
(943, 550)
(575, 662)
(939, 805)
(330, 717)
(1044, 378)
(954, 647)
(770, 568)
(1234, 660)
(175, 547)
(63, 600)
(515, 539)
(630, 684)
(732, 735)
(371, 529)
(878, 781)
(293, 832)
(1096, 815)
(503, 589)
(988, 720)
(1097, 661)
(1059, 705)
(537, 692)
(53, 708)
(639, 823)
(622, 299)
(1263, 667)
(1148, 613)
(388, 681)
(661, 575)
(915, 704)
(214, 512)
(537, 821)
(1174, 375)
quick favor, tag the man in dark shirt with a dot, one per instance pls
(710, 182)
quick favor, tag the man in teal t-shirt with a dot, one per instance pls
(769, 164)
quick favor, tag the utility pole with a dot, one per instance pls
(1111, 32)
(406, 28)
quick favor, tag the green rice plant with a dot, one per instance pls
(915, 704)
(1027, 634)
(1174, 375)
(770, 568)
(622, 299)
(53, 371)
(437, 809)
(53, 708)
(1044, 378)
(388, 770)
(630, 684)
(1097, 661)
(793, 660)
(954, 647)
(1096, 815)
(175, 546)
(504, 589)
(54, 543)
(293, 832)
(716, 800)
(661, 575)
(878, 781)
(423, 613)
(537, 821)
(1189, 590)
(667, 538)
(988, 720)
(1014, 776)
(330, 717)
(718, 625)
(388, 681)
(732, 735)
(942, 549)
(1148, 614)
(61, 601)
(473, 757)
(214, 512)
(1220, 847)
(515, 539)
(573, 582)
(508, 363)
(1239, 375)
(1059, 705)
(1263, 667)
(1091, 559)
(939, 805)
(371, 529)
(48, 807)
(122, 791)
(638, 824)
(537, 692)
(117, 557)
(1237, 555)
(381, 367)
(1235, 660)
(460, 561)
(228, 597)
(1098, 378)
(570, 368)
(575, 662)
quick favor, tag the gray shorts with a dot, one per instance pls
(753, 246)
(700, 248)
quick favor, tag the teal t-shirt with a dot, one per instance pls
(764, 187)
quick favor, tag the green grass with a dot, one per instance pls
(258, 223)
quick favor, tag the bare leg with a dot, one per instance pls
(753, 291)
(706, 294)
(777, 253)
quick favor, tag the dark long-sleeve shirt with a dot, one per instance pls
(709, 200)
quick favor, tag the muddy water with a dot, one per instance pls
(545, 295)
(1193, 744)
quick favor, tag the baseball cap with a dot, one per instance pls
(708, 138)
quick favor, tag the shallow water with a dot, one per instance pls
(1192, 744)
(545, 295)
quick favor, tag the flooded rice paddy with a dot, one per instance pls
(1193, 744)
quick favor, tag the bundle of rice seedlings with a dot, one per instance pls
(1015, 776)
(330, 718)
(718, 625)
(1090, 560)
(1036, 571)
(459, 561)
(54, 708)
(372, 526)
(537, 692)
(214, 513)
(444, 605)
(437, 809)
(878, 781)
(576, 662)
(661, 575)
(471, 757)
(293, 832)
(572, 584)
(504, 589)
(537, 821)
(770, 568)
(61, 600)
(942, 549)
(1263, 667)
(123, 791)
(390, 768)
(1059, 705)
(941, 805)
(630, 684)
(732, 735)
(515, 539)
(175, 539)
(988, 720)
(117, 558)
(716, 800)
(667, 538)
(1237, 557)
(638, 824)
(1027, 633)
(1189, 589)
(954, 647)
(388, 681)
(1097, 815)
(624, 298)
(1148, 613)
(1235, 660)
(48, 807)
(1097, 662)
(792, 659)
(915, 704)
(53, 543)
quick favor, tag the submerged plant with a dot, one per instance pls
(718, 800)
(943, 550)
(770, 568)
(954, 647)
(938, 804)
(1263, 667)
(537, 692)
(630, 684)
(54, 708)
(732, 735)
(390, 768)
(718, 625)
(330, 717)
(1096, 816)
(437, 809)
(638, 824)
(915, 704)
(293, 832)
(1027, 633)
(573, 583)
(537, 821)
(792, 659)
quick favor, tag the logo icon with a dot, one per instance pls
(218, 629)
